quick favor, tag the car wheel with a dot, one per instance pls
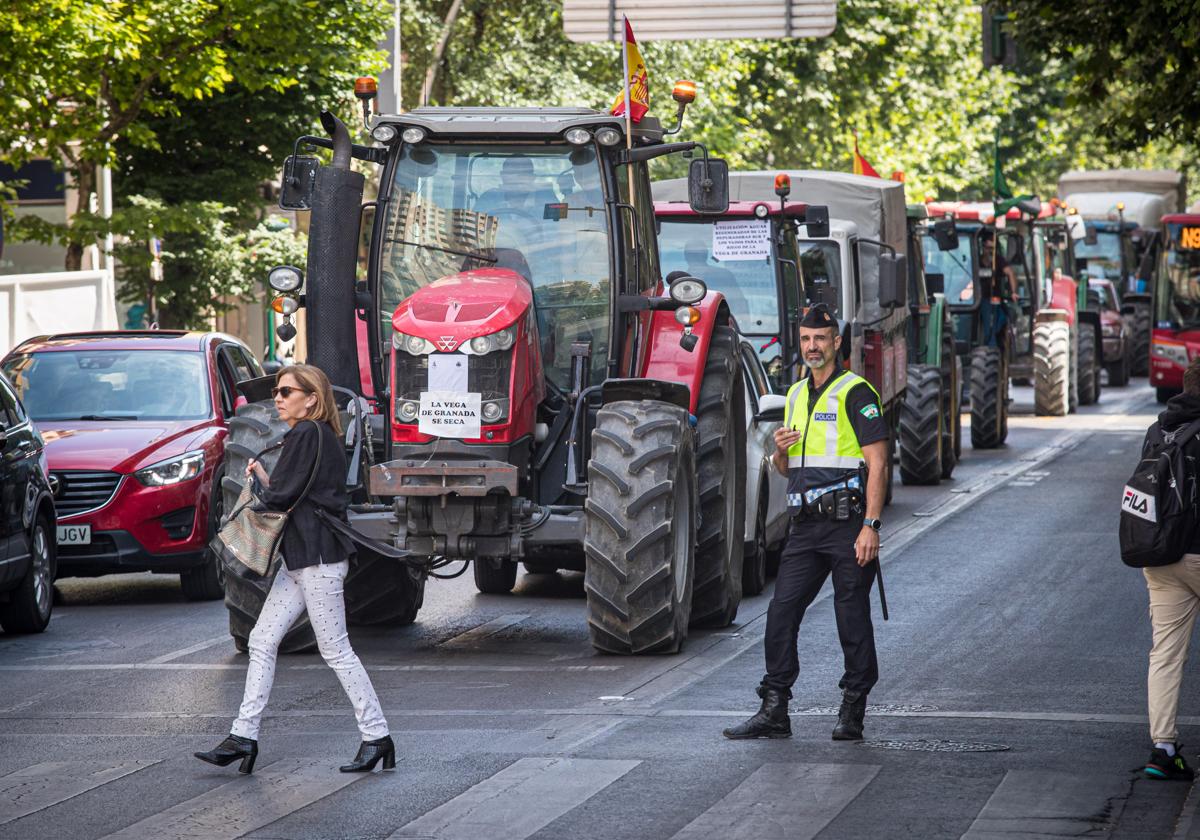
(30, 604)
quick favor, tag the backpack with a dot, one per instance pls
(1159, 502)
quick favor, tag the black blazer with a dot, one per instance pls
(306, 540)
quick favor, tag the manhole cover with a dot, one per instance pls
(872, 709)
(925, 745)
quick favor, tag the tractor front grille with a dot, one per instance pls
(486, 375)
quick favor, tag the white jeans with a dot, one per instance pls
(319, 588)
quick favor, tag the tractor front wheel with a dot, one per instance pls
(1051, 368)
(1089, 371)
(989, 398)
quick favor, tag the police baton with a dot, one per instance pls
(882, 594)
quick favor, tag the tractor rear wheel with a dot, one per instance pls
(989, 404)
(921, 432)
(721, 470)
(1051, 368)
(1089, 371)
(640, 527)
(494, 576)
(1140, 321)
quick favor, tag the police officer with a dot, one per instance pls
(833, 449)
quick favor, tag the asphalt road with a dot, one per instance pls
(1011, 702)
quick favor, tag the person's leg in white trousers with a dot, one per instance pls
(319, 589)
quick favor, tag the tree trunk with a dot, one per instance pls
(439, 52)
(85, 185)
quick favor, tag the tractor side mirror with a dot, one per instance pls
(816, 222)
(1076, 229)
(708, 185)
(770, 408)
(299, 182)
(935, 283)
(893, 291)
(945, 234)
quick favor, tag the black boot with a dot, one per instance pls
(369, 753)
(770, 721)
(230, 750)
(850, 716)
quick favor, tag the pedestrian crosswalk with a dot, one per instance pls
(530, 795)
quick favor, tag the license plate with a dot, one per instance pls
(74, 534)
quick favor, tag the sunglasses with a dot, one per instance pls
(287, 391)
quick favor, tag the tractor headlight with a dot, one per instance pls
(172, 471)
(688, 290)
(384, 133)
(412, 135)
(412, 344)
(578, 136)
(407, 411)
(608, 136)
(483, 344)
(492, 411)
(285, 278)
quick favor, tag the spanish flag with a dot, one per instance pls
(861, 167)
(637, 86)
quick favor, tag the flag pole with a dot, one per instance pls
(628, 107)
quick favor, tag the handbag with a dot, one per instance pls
(253, 536)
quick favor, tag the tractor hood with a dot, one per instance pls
(460, 307)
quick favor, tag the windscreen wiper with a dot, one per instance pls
(104, 417)
(443, 250)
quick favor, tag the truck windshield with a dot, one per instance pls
(821, 267)
(536, 210)
(111, 384)
(956, 266)
(1101, 259)
(1180, 302)
(733, 257)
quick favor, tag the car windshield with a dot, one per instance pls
(1181, 276)
(733, 257)
(956, 266)
(536, 210)
(111, 384)
(821, 267)
(1102, 258)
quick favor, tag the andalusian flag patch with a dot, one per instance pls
(870, 411)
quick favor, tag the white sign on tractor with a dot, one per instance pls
(738, 239)
(450, 414)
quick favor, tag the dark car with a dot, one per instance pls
(134, 424)
(27, 559)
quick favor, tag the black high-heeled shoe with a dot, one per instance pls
(369, 753)
(230, 750)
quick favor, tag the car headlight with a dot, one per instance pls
(481, 345)
(1110, 331)
(412, 344)
(172, 471)
(1176, 353)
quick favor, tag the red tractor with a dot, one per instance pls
(528, 388)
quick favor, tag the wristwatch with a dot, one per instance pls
(874, 523)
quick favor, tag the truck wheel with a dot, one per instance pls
(1089, 371)
(921, 430)
(206, 582)
(640, 527)
(1051, 368)
(494, 576)
(28, 607)
(721, 472)
(987, 398)
(1140, 327)
(754, 559)
(1118, 372)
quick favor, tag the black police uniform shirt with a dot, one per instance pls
(866, 419)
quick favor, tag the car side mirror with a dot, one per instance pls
(816, 222)
(893, 291)
(299, 182)
(770, 408)
(945, 234)
(935, 283)
(708, 185)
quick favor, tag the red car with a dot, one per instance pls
(134, 424)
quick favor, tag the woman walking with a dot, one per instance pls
(315, 560)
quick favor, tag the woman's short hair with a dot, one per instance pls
(314, 380)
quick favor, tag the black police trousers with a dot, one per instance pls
(814, 550)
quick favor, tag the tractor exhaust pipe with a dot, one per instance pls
(332, 262)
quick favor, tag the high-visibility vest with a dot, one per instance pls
(828, 441)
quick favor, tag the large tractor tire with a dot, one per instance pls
(1089, 369)
(377, 590)
(959, 379)
(1073, 385)
(921, 431)
(640, 527)
(1119, 371)
(1051, 368)
(494, 576)
(721, 465)
(1140, 322)
(951, 410)
(989, 398)
(206, 582)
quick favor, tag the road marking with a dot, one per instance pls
(41, 785)
(182, 652)
(483, 631)
(1044, 804)
(244, 804)
(520, 800)
(795, 801)
(241, 666)
(1187, 814)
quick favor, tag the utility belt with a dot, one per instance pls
(837, 502)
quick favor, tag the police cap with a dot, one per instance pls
(818, 317)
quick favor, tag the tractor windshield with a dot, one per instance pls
(733, 257)
(1101, 259)
(537, 210)
(1180, 301)
(957, 266)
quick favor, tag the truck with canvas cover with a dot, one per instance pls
(1176, 337)
(1123, 210)
(543, 395)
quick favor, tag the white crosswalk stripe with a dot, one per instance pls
(1042, 804)
(795, 801)
(520, 800)
(244, 804)
(41, 785)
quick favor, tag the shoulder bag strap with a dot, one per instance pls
(313, 475)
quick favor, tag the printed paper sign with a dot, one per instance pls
(448, 372)
(450, 414)
(743, 239)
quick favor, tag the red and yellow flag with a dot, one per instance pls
(636, 80)
(861, 167)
